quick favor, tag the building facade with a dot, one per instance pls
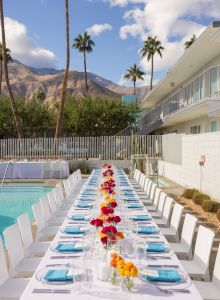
(187, 99)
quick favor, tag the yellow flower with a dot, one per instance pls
(127, 273)
(134, 271)
(102, 235)
(121, 272)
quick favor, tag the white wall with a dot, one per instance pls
(172, 148)
(190, 173)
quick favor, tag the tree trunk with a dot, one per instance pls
(85, 72)
(152, 72)
(134, 88)
(0, 76)
(63, 95)
(12, 100)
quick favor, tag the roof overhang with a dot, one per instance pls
(203, 50)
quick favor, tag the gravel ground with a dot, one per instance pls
(207, 218)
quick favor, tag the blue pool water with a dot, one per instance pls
(18, 199)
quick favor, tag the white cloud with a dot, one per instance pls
(24, 48)
(172, 21)
(97, 29)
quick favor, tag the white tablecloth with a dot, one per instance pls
(35, 170)
(105, 290)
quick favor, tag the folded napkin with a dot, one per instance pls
(68, 248)
(164, 275)
(128, 193)
(135, 206)
(83, 205)
(86, 199)
(155, 247)
(131, 199)
(147, 230)
(58, 275)
(126, 189)
(78, 218)
(141, 218)
(74, 230)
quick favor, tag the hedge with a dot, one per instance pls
(198, 198)
(188, 193)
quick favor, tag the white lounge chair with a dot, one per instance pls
(198, 268)
(211, 290)
(10, 289)
(165, 220)
(30, 247)
(184, 248)
(173, 231)
(20, 266)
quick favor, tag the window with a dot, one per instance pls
(214, 82)
(213, 126)
(195, 129)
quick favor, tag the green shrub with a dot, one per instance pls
(207, 205)
(218, 214)
(215, 206)
(198, 198)
(188, 193)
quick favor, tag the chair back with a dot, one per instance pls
(176, 218)
(25, 229)
(138, 174)
(45, 208)
(152, 191)
(161, 202)
(39, 217)
(203, 249)
(216, 272)
(4, 270)
(142, 180)
(146, 183)
(66, 188)
(167, 209)
(188, 231)
(14, 245)
(52, 203)
(157, 196)
(149, 187)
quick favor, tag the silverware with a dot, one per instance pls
(163, 266)
(50, 291)
(157, 257)
(70, 237)
(64, 256)
(171, 291)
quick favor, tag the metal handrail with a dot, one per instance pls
(6, 170)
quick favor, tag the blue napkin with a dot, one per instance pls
(58, 275)
(68, 248)
(141, 218)
(127, 189)
(131, 199)
(86, 199)
(78, 218)
(147, 230)
(165, 276)
(74, 230)
(135, 206)
(155, 247)
(83, 205)
(128, 193)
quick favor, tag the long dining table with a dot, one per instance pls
(38, 289)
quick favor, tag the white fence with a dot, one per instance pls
(115, 147)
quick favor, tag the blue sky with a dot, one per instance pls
(36, 31)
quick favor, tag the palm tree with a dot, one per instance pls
(152, 46)
(11, 96)
(134, 74)
(8, 58)
(187, 44)
(63, 95)
(85, 45)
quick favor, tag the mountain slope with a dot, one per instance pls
(27, 81)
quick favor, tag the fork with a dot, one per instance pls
(171, 291)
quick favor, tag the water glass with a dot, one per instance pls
(140, 251)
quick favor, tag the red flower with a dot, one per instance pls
(117, 219)
(104, 240)
(110, 219)
(105, 229)
(112, 229)
(107, 210)
(97, 222)
(112, 204)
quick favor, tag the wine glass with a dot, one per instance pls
(140, 251)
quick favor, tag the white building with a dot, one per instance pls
(187, 99)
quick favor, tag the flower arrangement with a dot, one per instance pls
(126, 270)
(110, 233)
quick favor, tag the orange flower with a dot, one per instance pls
(120, 235)
(134, 271)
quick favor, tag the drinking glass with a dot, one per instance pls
(140, 251)
(130, 248)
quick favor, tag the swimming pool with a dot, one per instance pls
(18, 199)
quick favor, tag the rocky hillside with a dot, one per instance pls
(27, 81)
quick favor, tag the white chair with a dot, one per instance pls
(173, 231)
(151, 187)
(20, 266)
(165, 220)
(30, 247)
(153, 207)
(10, 289)
(158, 214)
(56, 196)
(43, 231)
(48, 218)
(199, 266)
(211, 290)
(184, 248)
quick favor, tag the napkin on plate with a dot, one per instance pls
(74, 230)
(141, 218)
(147, 230)
(155, 247)
(58, 275)
(164, 275)
(78, 218)
(83, 205)
(70, 247)
(135, 206)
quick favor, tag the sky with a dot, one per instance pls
(35, 32)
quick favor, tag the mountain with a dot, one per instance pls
(27, 81)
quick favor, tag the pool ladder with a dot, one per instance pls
(6, 170)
